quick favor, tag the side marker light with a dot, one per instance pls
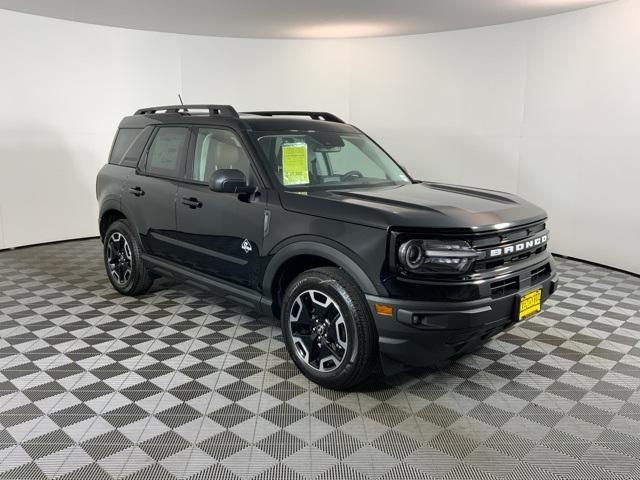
(384, 310)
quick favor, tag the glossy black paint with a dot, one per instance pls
(211, 242)
(418, 206)
(230, 181)
(244, 244)
(149, 204)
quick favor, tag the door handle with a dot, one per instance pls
(191, 202)
(137, 191)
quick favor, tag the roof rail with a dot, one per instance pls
(222, 110)
(329, 117)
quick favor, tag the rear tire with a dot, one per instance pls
(328, 328)
(123, 260)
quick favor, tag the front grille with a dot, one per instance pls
(492, 239)
(483, 265)
(504, 287)
(512, 284)
(540, 273)
(488, 241)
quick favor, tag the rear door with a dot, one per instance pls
(220, 233)
(149, 197)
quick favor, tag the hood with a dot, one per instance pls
(422, 205)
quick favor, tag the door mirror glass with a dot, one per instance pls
(229, 180)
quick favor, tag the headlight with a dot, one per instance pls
(436, 256)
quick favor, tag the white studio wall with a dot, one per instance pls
(267, 75)
(546, 108)
(64, 88)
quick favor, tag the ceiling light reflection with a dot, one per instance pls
(343, 30)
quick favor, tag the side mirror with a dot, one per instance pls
(229, 180)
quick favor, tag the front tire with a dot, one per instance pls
(328, 328)
(123, 260)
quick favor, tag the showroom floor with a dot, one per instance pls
(177, 384)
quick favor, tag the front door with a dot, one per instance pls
(219, 234)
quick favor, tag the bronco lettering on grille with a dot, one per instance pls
(518, 247)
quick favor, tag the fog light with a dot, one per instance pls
(419, 319)
(384, 310)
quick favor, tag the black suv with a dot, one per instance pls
(305, 217)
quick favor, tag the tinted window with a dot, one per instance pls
(132, 155)
(166, 151)
(218, 148)
(124, 139)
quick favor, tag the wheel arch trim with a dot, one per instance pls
(106, 207)
(320, 249)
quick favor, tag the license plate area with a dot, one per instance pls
(530, 303)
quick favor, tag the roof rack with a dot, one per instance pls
(329, 117)
(222, 110)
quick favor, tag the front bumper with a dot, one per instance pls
(424, 333)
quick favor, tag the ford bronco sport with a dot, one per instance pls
(306, 218)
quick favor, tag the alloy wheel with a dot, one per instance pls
(119, 259)
(318, 330)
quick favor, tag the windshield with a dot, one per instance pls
(304, 160)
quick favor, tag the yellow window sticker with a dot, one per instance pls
(295, 170)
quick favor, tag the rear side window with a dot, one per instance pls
(167, 150)
(124, 139)
(132, 155)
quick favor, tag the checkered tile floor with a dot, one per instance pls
(178, 384)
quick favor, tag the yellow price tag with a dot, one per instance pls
(295, 169)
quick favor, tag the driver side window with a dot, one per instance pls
(218, 148)
(350, 158)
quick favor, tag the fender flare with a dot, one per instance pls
(109, 203)
(319, 248)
